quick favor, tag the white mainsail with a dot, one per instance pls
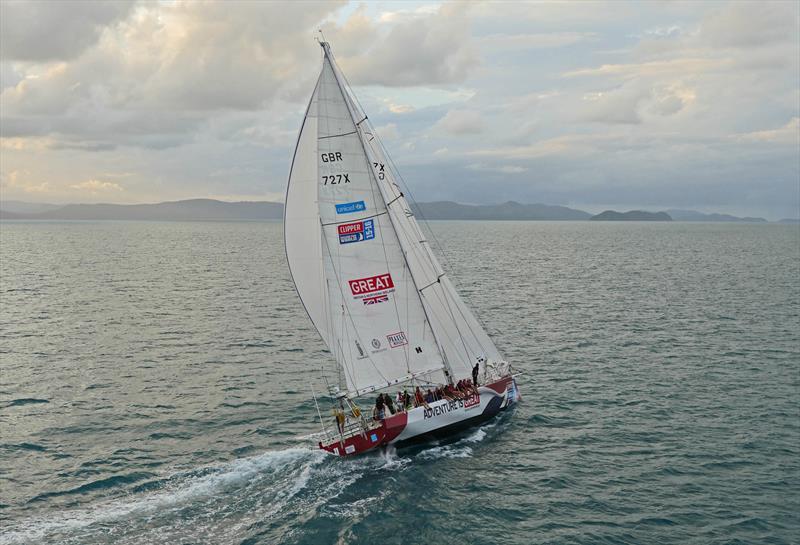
(367, 278)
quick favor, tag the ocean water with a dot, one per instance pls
(155, 388)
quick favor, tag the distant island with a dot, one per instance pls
(692, 215)
(633, 215)
(448, 210)
(188, 210)
(214, 210)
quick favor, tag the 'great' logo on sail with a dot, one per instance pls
(372, 289)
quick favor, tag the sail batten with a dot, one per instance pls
(361, 265)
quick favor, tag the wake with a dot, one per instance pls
(179, 491)
(222, 502)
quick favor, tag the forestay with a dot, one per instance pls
(366, 275)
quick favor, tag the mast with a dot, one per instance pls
(351, 106)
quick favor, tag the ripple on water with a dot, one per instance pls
(155, 389)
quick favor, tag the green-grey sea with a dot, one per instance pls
(155, 387)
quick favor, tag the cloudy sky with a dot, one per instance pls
(594, 105)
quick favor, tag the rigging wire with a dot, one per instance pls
(355, 108)
(411, 201)
(375, 199)
(345, 331)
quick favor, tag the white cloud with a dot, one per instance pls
(670, 67)
(502, 169)
(634, 102)
(388, 131)
(787, 134)
(19, 180)
(511, 42)
(96, 186)
(461, 122)
(405, 15)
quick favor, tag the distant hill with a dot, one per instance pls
(12, 215)
(448, 210)
(213, 210)
(189, 210)
(210, 210)
(692, 215)
(20, 207)
(633, 215)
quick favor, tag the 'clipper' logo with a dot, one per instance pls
(356, 231)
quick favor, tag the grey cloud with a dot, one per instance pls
(425, 50)
(82, 146)
(618, 105)
(658, 172)
(632, 103)
(752, 24)
(704, 116)
(158, 75)
(49, 31)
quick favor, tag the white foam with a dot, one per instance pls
(447, 451)
(355, 511)
(391, 460)
(460, 448)
(476, 437)
(312, 437)
(217, 478)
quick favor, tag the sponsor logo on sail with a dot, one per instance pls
(372, 289)
(376, 344)
(361, 353)
(356, 231)
(397, 339)
(350, 207)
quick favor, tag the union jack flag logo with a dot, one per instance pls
(377, 299)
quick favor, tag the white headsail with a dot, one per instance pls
(367, 277)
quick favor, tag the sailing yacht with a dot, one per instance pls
(373, 288)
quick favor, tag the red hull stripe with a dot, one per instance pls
(500, 386)
(391, 428)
